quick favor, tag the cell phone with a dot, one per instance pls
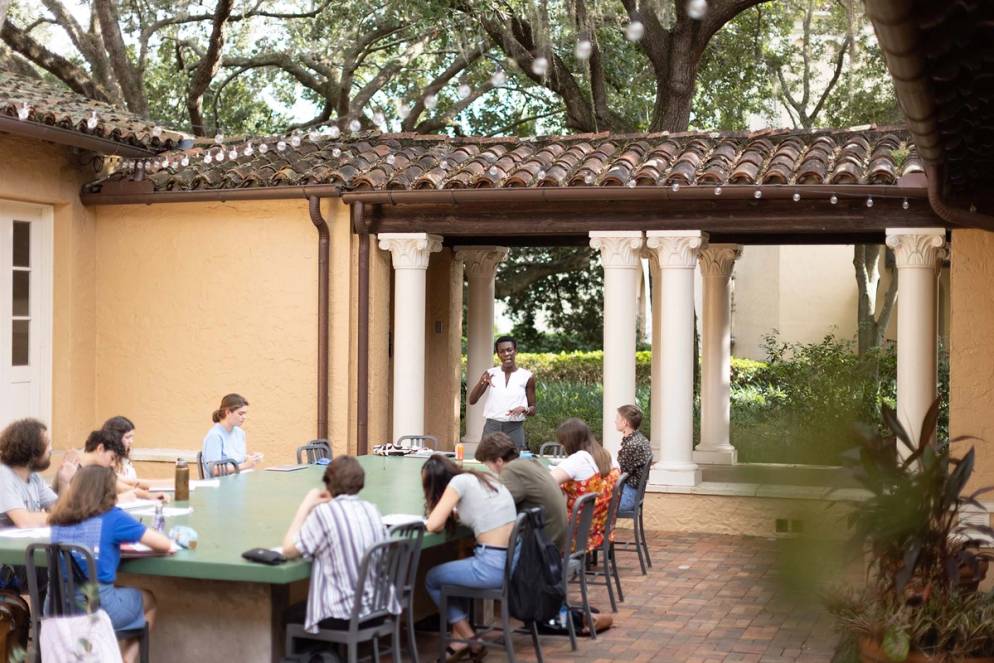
(264, 556)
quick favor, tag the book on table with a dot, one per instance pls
(287, 468)
(133, 550)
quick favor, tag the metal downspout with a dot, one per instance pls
(324, 277)
(362, 333)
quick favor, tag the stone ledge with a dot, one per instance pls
(163, 455)
(731, 489)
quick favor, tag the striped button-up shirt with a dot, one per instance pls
(334, 537)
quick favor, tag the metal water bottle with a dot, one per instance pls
(182, 480)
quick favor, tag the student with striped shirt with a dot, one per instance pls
(333, 528)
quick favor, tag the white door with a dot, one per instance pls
(25, 312)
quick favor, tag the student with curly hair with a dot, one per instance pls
(25, 450)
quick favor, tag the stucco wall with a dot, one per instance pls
(443, 335)
(971, 389)
(198, 300)
(32, 171)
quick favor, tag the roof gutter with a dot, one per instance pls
(324, 281)
(603, 193)
(361, 227)
(953, 215)
(208, 195)
(63, 136)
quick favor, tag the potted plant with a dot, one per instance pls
(919, 601)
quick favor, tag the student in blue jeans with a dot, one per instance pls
(87, 515)
(482, 503)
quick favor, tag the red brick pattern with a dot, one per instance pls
(724, 607)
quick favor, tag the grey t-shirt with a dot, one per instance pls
(481, 508)
(33, 495)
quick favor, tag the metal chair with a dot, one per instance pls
(575, 560)
(313, 450)
(221, 466)
(417, 442)
(200, 465)
(65, 584)
(639, 545)
(384, 569)
(552, 450)
(501, 594)
(414, 532)
(610, 566)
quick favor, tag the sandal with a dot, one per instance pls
(477, 655)
(452, 655)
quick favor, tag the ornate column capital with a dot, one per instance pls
(677, 249)
(917, 248)
(719, 259)
(619, 248)
(410, 250)
(481, 261)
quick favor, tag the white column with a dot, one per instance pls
(480, 266)
(717, 262)
(410, 253)
(673, 391)
(919, 253)
(620, 254)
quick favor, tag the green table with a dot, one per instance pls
(210, 599)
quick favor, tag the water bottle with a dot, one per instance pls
(160, 519)
(460, 451)
(182, 480)
(563, 616)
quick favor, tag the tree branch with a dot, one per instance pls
(127, 77)
(418, 108)
(434, 124)
(207, 67)
(839, 59)
(72, 75)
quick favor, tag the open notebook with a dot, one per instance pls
(132, 550)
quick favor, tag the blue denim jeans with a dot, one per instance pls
(629, 498)
(484, 570)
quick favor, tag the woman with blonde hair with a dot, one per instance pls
(588, 468)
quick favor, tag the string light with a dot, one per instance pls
(431, 101)
(23, 111)
(634, 31)
(584, 49)
(295, 140)
(675, 187)
(391, 159)
(498, 78)
(355, 126)
(185, 161)
(334, 131)
(156, 131)
(796, 196)
(263, 148)
(834, 199)
(696, 9)
(248, 151)
(208, 158)
(403, 111)
(464, 91)
(233, 154)
(757, 194)
(905, 204)
(313, 135)
(541, 175)
(281, 145)
(717, 191)
(540, 66)
(630, 184)
(92, 121)
(869, 201)
(380, 120)
(336, 152)
(444, 165)
(219, 138)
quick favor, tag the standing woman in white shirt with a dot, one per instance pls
(510, 394)
(226, 439)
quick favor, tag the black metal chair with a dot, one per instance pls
(314, 450)
(417, 442)
(639, 545)
(222, 467)
(384, 570)
(552, 450)
(501, 594)
(414, 532)
(609, 567)
(200, 465)
(65, 587)
(575, 560)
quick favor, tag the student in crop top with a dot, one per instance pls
(483, 504)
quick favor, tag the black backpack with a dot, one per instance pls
(536, 592)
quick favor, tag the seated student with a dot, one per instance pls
(528, 481)
(483, 504)
(333, 528)
(104, 449)
(25, 450)
(226, 439)
(124, 429)
(633, 456)
(86, 515)
(587, 469)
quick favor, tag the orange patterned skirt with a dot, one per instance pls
(601, 485)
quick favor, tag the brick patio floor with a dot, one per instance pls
(707, 599)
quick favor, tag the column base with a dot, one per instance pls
(716, 456)
(684, 475)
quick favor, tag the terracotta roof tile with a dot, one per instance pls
(56, 105)
(407, 162)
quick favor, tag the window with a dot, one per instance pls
(21, 294)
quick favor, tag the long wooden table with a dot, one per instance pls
(214, 603)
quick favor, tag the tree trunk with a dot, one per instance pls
(871, 324)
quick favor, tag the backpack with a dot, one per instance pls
(536, 591)
(15, 623)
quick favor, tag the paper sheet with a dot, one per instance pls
(167, 511)
(138, 504)
(204, 483)
(26, 533)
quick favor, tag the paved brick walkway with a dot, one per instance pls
(707, 599)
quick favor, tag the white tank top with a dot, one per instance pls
(502, 398)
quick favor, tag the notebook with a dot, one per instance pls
(286, 468)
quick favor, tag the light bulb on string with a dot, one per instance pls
(185, 161)
(757, 194)
(92, 121)
(232, 154)
(249, 150)
(156, 131)
(541, 175)
(584, 49)
(140, 165)
(313, 135)
(796, 196)
(280, 145)
(905, 204)
(263, 148)
(295, 140)
(431, 101)
(540, 66)
(869, 201)
(464, 91)
(696, 9)
(444, 165)
(675, 187)
(23, 111)
(630, 184)
(355, 126)
(334, 131)
(834, 199)
(588, 179)
(717, 191)
(391, 159)
(380, 120)
(634, 31)
(403, 111)
(218, 138)
(208, 158)
(498, 78)
(336, 152)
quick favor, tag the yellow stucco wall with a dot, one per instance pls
(32, 171)
(195, 300)
(971, 368)
(443, 333)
